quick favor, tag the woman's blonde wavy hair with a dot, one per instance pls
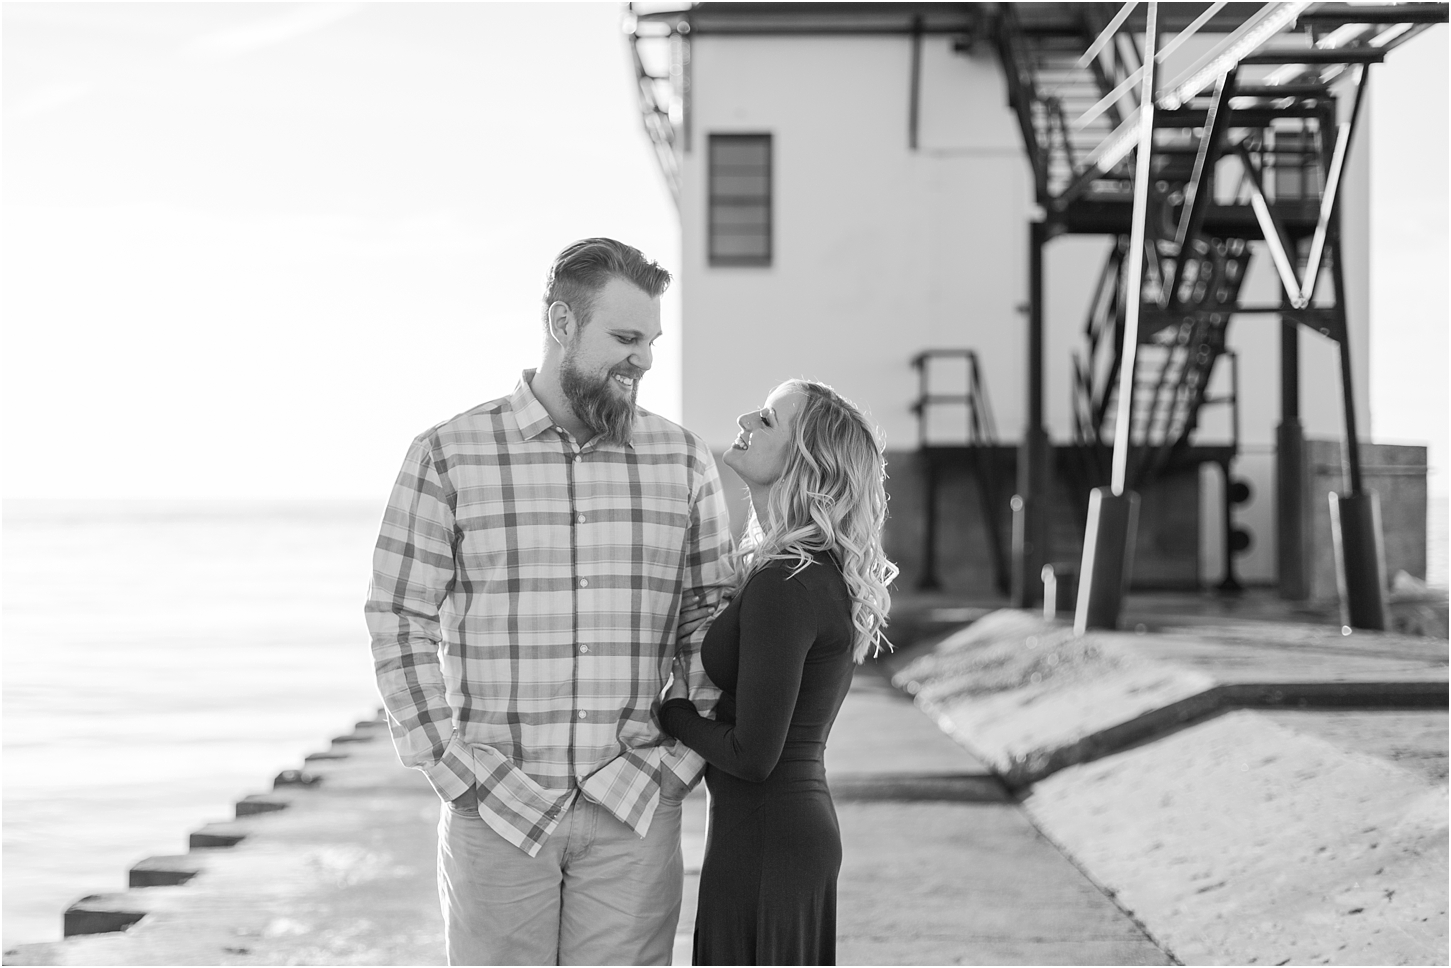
(830, 497)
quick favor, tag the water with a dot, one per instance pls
(160, 662)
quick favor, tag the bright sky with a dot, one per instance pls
(250, 250)
(1410, 153)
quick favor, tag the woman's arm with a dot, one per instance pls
(777, 628)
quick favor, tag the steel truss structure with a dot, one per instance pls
(1248, 143)
(1244, 146)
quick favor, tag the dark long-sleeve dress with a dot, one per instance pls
(781, 654)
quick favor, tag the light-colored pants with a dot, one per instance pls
(595, 894)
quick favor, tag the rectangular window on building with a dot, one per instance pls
(740, 200)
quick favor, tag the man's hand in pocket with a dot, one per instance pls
(467, 800)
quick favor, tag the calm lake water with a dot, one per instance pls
(160, 662)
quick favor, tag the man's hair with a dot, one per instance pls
(584, 268)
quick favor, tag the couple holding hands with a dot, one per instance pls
(566, 639)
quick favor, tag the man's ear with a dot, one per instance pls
(561, 322)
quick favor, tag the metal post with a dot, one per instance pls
(1113, 514)
(1354, 516)
(913, 104)
(1290, 471)
(1031, 503)
(929, 580)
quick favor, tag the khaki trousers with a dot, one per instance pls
(596, 893)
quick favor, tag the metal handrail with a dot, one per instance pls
(981, 425)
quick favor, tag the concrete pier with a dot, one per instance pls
(1207, 791)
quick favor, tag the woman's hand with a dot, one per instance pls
(678, 688)
(693, 615)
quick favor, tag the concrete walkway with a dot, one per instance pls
(940, 868)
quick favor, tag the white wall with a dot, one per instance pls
(879, 252)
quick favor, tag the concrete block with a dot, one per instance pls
(1395, 472)
(100, 914)
(165, 870)
(225, 834)
(256, 803)
(1030, 697)
(295, 778)
(1248, 839)
(355, 737)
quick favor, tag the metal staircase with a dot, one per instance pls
(1055, 89)
(1172, 370)
(1071, 70)
(1245, 143)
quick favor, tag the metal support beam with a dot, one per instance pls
(915, 99)
(1294, 577)
(1274, 233)
(1354, 515)
(1108, 542)
(1333, 55)
(1331, 197)
(929, 580)
(1350, 453)
(1105, 35)
(1143, 172)
(1031, 504)
(1197, 194)
(1334, 14)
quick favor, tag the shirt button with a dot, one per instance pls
(584, 583)
(581, 714)
(580, 519)
(578, 458)
(584, 648)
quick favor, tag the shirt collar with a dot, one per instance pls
(530, 414)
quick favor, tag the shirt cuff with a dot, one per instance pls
(453, 774)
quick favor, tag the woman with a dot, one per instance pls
(811, 598)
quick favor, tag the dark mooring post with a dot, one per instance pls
(1355, 514)
(1031, 503)
(1290, 471)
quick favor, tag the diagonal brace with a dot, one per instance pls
(1344, 132)
(1196, 193)
(1270, 226)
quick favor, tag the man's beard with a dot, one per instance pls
(597, 404)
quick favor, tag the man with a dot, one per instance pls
(525, 609)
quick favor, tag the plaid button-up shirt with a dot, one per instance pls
(523, 610)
